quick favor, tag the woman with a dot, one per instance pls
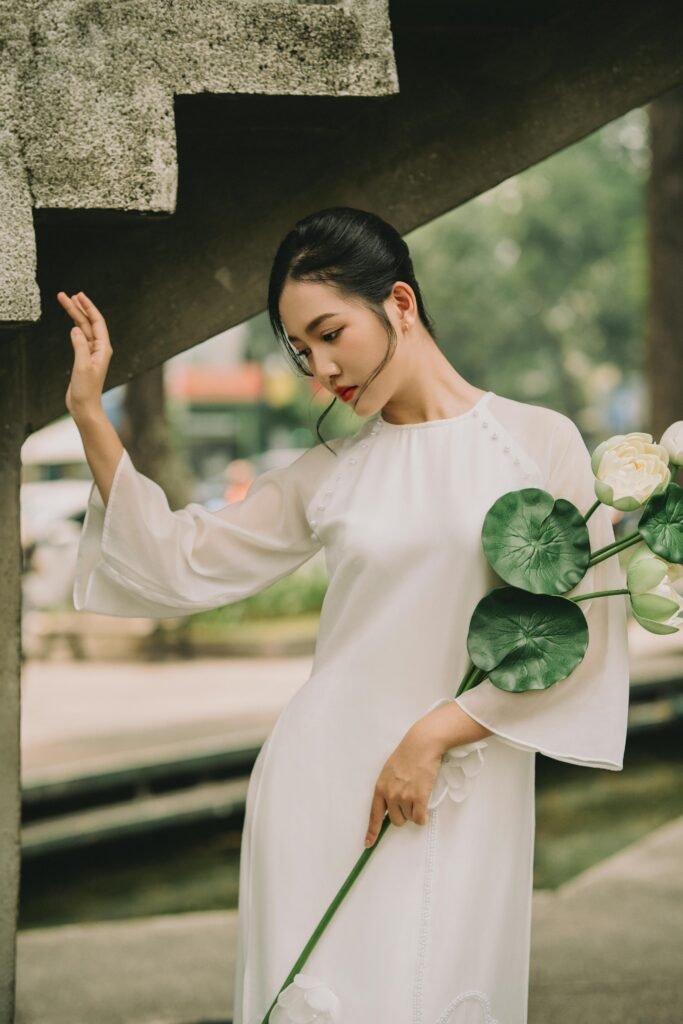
(436, 928)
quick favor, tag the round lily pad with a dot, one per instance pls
(526, 641)
(536, 542)
(661, 524)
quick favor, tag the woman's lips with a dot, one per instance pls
(347, 393)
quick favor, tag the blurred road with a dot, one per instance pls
(88, 715)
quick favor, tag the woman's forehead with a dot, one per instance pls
(303, 304)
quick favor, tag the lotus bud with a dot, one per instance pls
(672, 440)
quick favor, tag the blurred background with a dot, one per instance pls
(137, 733)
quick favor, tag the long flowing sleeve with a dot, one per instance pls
(137, 557)
(581, 719)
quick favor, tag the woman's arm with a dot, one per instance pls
(103, 448)
(92, 355)
(407, 778)
(449, 726)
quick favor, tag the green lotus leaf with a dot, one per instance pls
(661, 524)
(526, 641)
(536, 542)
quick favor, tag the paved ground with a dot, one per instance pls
(77, 716)
(606, 946)
(605, 950)
(81, 716)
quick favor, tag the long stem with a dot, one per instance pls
(473, 675)
(591, 510)
(466, 679)
(614, 549)
(329, 913)
(472, 678)
(597, 593)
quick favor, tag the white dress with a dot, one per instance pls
(436, 928)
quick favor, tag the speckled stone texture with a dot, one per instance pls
(87, 90)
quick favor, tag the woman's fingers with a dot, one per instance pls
(76, 314)
(97, 321)
(399, 813)
(81, 347)
(376, 816)
(88, 318)
(90, 307)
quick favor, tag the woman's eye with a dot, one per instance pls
(304, 353)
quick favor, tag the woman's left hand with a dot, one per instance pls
(406, 780)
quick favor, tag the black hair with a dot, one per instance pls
(353, 251)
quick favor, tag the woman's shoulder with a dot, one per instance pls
(544, 433)
(313, 466)
(532, 416)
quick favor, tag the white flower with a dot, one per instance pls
(629, 469)
(459, 765)
(672, 440)
(655, 603)
(306, 1001)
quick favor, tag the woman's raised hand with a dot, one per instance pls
(92, 353)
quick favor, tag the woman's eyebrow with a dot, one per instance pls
(313, 324)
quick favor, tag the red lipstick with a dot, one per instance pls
(346, 393)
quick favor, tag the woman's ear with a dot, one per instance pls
(406, 307)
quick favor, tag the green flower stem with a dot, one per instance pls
(591, 510)
(597, 593)
(465, 682)
(329, 913)
(613, 549)
(472, 676)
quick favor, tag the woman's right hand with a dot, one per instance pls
(92, 353)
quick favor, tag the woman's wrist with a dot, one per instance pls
(87, 413)
(449, 726)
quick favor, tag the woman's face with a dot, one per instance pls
(342, 341)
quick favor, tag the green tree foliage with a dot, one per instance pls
(538, 285)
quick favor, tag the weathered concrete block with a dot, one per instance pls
(88, 88)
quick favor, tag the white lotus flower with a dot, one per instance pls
(656, 605)
(672, 440)
(459, 765)
(629, 469)
(306, 1001)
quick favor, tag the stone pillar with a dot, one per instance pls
(11, 437)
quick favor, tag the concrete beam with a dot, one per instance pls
(87, 88)
(473, 110)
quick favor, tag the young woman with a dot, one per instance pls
(436, 928)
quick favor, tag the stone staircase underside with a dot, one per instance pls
(87, 92)
(482, 97)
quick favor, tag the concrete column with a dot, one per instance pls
(11, 437)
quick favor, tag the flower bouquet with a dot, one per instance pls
(527, 635)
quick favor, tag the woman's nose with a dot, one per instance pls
(327, 370)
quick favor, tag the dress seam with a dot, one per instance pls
(324, 492)
(425, 920)
(532, 467)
